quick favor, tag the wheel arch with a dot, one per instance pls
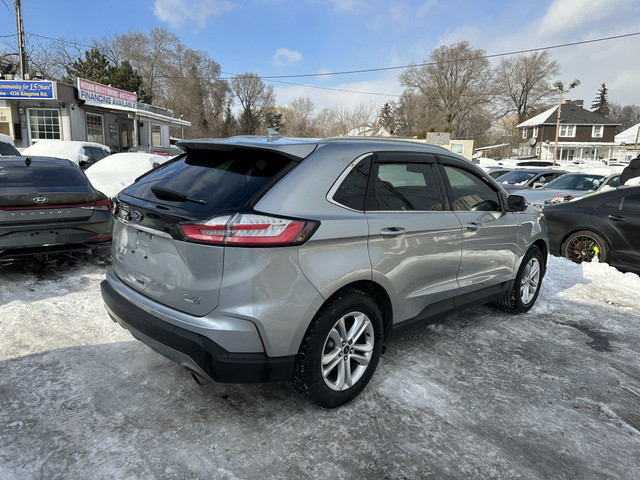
(379, 296)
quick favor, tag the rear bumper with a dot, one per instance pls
(192, 350)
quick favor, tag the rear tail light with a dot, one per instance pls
(247, 229)
(104, 204)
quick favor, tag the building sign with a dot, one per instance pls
(27, 90)
(103, 96)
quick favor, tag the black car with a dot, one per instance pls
(605, 225)
(48, 205)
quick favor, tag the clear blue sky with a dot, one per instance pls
(282, 37)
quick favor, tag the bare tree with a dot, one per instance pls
(522, 83)
(626, 115)
(255, 97)
(298, 118)
(454, 82)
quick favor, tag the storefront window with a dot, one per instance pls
(44, 124)
(95, 129)
(156, 135)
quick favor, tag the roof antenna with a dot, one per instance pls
(27, 162)
(272, 134)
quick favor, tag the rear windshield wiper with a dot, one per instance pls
(167, 194)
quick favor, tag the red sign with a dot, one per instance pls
(158, 152)
(105, 96)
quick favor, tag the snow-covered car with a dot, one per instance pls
(568, 187)
(120, 170)
(80, 153)
(7, 147)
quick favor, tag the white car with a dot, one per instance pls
(82, 154)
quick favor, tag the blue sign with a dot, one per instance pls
(26, 90)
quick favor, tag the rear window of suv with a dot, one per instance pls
(222, 179)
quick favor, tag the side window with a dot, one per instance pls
(470, 192)
(406, 186)
(614, 181)
(353, 188)
(631, 203)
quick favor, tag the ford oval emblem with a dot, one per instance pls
(41, 199)
(136, 215)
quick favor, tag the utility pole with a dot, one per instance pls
(22, 51)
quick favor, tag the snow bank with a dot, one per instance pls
(117, 171)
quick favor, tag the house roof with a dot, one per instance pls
(569, 114)
(629, 136)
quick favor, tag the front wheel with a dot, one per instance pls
(526, 286)
(340, 351)
(585, 246)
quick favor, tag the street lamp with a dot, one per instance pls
(558, 87)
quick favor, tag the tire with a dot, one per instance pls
(526, 286)
(340, 350)
(584, 246)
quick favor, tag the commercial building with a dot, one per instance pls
(32, 110)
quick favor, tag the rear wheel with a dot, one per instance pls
(340, 351)
(526, 286)
(585, 246)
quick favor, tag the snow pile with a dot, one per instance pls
(68, 150)
(117, 171)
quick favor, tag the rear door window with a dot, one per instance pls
(221, 179)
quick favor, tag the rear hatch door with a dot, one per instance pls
(149, 251)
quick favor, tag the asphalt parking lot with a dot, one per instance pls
(554, 393)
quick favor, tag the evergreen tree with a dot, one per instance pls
(94, 67)
(126, 78)
(386, 117)
(600, 104)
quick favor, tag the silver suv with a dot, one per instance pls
(264, 260)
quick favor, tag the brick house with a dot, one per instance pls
(583, 135)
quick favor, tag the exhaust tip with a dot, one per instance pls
(199, 379)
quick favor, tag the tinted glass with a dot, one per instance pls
(352, 190)
(516, 177)
(576, 181)
(41, 176)
(223, 180)
(614, 181)
(470, 192)
(7, 149)
(97, 153)
(631, 203)
(402, 186)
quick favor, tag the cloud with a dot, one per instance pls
(285, 57)
(179, 13)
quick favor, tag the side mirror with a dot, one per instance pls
(517, 203)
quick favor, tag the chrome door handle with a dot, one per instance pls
(392, 231)
(617, 218)
(473, 226)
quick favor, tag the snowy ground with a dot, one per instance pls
(551, 394)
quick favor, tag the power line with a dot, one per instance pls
(401, 67)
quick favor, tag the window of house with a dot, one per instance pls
(597, 131)
(567, 154)
(567, 130)
(156, 135)
(524, 133)
(535, 132)
(95, 128)
(44, 124)
(457, 148)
